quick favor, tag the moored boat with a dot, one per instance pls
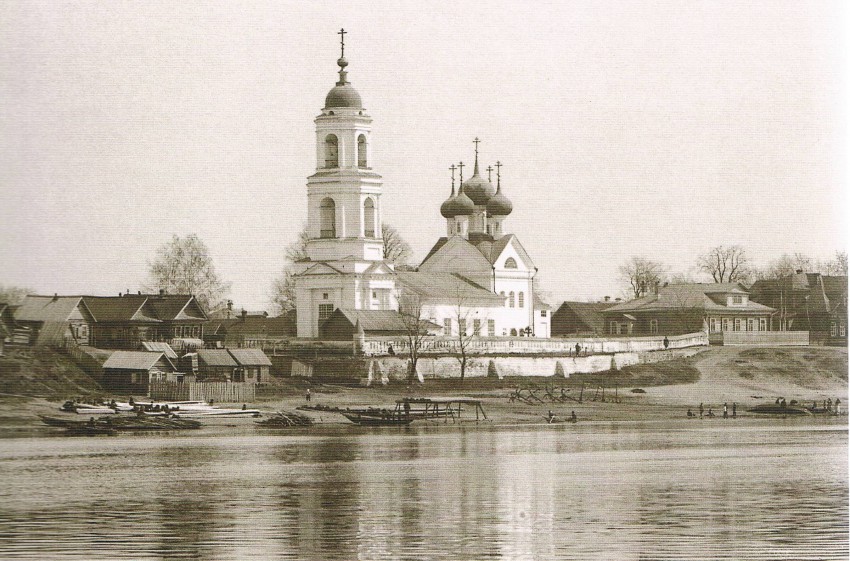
(376, 421)
(773, 409)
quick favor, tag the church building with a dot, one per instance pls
(477, 278)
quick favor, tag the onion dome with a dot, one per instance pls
(499, 205)
(447, 208)
(463, 205)
(477, 188)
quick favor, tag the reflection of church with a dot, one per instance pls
(476, 278)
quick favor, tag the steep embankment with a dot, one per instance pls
(42, 372)
(750, 375)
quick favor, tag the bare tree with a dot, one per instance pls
(467, 329)
(785, 265)
(283, 288)
(13, 295)
(184, 266)
(415, 327)
(396, 250)
(837, 266)
(725, 264)
(642, 275)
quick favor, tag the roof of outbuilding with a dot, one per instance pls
(161, 347)
(589, 313)
(216, 357)
(376, 320)
(169, 306)
(134, 360)
(47, 308)
(447, 286)
(250, 357)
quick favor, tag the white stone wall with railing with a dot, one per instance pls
(380, 346)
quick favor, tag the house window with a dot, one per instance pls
(712, 325)
(327, 218)
(476, 327)
(510, 263)
(522, 299)
(653, 326)
(842, 330)
(447, 327)
(833, 329)
(361, 151)
(725, 324)
(461, 327)
(613, 328)
(762, 324)
(737, 325)
(491, 328)
(751, 324)
(331, 151)
(325, 311)
(511, 302)
(369, 218)
(737, 299)
(543, 313)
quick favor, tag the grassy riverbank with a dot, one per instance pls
(664, 390)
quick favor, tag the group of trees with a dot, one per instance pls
(732, 263)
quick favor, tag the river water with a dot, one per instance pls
(614, 491)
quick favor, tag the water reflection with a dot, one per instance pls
(579, 492)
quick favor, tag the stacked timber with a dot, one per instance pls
(281, 420)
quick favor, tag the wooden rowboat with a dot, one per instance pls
(375, 421)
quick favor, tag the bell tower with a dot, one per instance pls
(344, 195)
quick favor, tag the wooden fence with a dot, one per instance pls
(766, 338)
(231, 392)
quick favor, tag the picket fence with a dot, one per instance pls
(229, 392)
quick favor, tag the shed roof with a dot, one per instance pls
(120, 308)
(250, 357)
(161, 347)
(589, 313)
(689, 295)
(134, 360)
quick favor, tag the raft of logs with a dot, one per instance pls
(282, 420)
(126, 423)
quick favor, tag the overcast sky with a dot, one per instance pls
(656, 129)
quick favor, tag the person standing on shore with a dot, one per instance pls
(725, 411)
(307, 395)
(700, 410)
(734, 410)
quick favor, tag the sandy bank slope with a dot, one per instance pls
(737, 374)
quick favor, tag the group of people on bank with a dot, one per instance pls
(710, 414)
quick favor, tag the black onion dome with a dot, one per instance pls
(478, 189)
(447, 208)
(499, 204)
(462, 204)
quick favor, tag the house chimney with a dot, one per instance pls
(666, 284)
(244, 314)
(140, 293)
(230, 304)
(607, 298)
(799, 271)
(55, 296)
(618, 300)
(162, 292)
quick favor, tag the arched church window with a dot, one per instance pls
(327, 217)
(369, 218)
(522, 299)
(361, 151)
(510, 263)
(331, 151)
(511, 301)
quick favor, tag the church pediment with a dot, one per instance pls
(512, 249)
(321, 269)
(378, 268)
(456, 255)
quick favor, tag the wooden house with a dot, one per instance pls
(54, 319)
(216, 364)
(579, 319)
(133, 371)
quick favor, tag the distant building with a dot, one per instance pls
(342, 325)
(215, 364)
(807, 302)
(247, 330)
(134, 371)
(688, 308)
(580, 319)
(112, 322)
